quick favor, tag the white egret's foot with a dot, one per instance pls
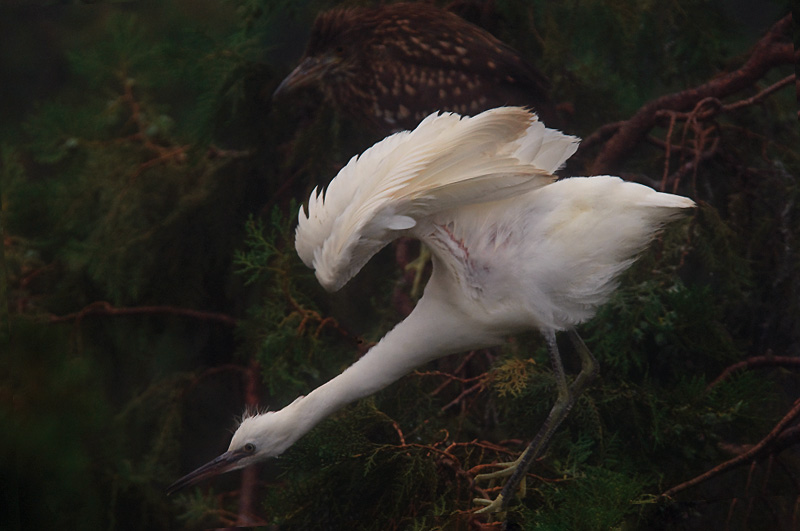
(492, 506)
(567, 394)
(506, 469)
(418, 265)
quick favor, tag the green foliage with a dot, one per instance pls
(116, 181)
(285, 330)
(600, 499)
(396, 485)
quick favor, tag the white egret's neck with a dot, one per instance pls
(431, 331)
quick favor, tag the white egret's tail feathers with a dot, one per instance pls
(657, 207)
(596, 227)
(670, 201)
(446, 162)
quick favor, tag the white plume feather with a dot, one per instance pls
(447, 161)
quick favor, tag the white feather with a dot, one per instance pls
(446, 162)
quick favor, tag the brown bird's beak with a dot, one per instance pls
(307, 73)
(224, 463)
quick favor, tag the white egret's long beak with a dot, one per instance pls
(224, 463)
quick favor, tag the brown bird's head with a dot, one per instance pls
(391, 66)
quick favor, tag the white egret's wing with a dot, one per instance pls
(446, 162)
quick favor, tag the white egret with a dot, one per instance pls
(513, 249)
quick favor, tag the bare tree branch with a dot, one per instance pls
(754, 362)
(105, 308)
(776, 435)
(247, 492)
(774, 49)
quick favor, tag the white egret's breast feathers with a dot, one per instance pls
(446, 162)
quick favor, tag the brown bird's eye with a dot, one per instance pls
(249, 448)
(339, 50)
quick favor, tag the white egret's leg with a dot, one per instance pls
(418, 265)
(566, 399)
(563, 396)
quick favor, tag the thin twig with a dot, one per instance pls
(249, 474)
(449, 376)
(753, 363)
(464, 393)
(668, 149)
(602, 134)
(163, 153)
(761, 95)
(105, 308)
(752, 453)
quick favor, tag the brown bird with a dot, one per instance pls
(391, 66)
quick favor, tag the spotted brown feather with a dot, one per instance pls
(391, 66)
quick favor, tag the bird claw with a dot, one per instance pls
(492, 506)
(497, 505)
(506, 469)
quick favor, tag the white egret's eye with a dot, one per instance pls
(249, 448)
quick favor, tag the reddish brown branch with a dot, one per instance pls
(789, 437)
(178, 153)
(105, 308)
(214, 152)
(163, 153)
(671, 182)
(710, 106)
(753, 363)
(450, 377)
(469, 390)
(396, 427)
(307, 316)
(601, 134)
(249, 474)
(775, 48)
(447, 457)
(761, 95)
(753, 453)
(212, 371)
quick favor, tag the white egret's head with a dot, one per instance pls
(258, 437)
